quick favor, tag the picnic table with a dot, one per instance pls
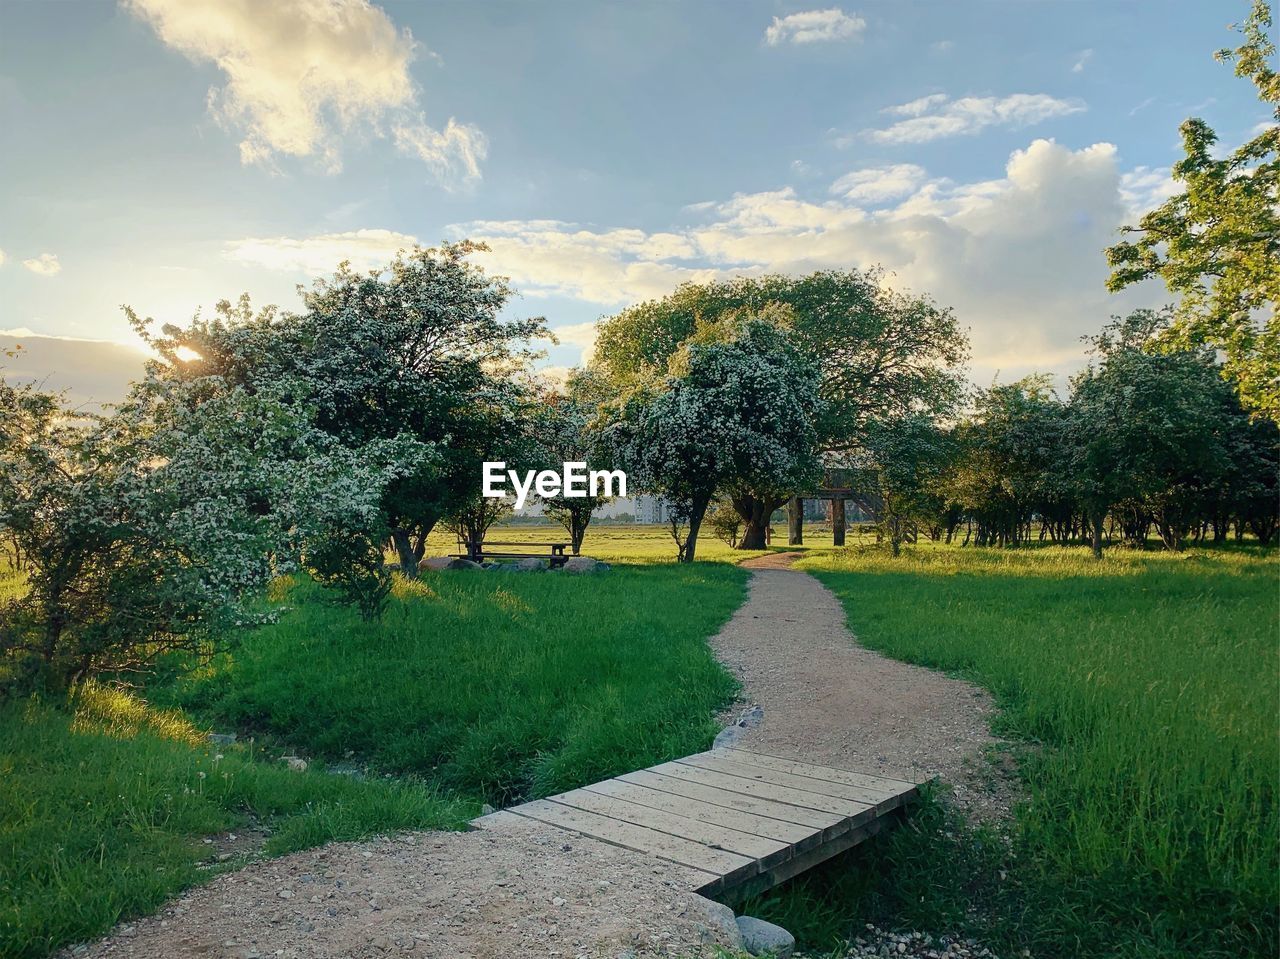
(480, 552)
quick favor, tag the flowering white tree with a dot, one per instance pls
(418, 349)
(736, 411)
(145, 531)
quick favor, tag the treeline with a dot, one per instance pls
(327, 441)
(735, 397)
(1148, 443)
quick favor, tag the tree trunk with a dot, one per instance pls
(795, 521)
(579, 519)
(755, 513)
(895, 536)
(689, 550)
(837, 521)
(1096, 540)
(404, 550)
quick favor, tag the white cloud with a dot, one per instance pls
(878, 184)
(453, 153)
(1082, 58)
(46, 264)
(937, 116)
(551, 258)
(320, 254)
(814, 26)
(917, 107)
(2, 257)
(301, 73)
(1019, 256)
(1257, 129)
(1143, 188)
(942, 46)
(581, 335)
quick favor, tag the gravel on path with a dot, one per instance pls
(828, 700)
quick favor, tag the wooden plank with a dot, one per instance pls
(883, 798)
(718, 863)
(756, 805)
(496, 820)
(751, 786)
(767, 852)
(811, 770)
(787, 832)
(762, 882)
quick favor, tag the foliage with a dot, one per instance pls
(502, 687)
(1145, 689)
(1011, 460)
(726, 524)
(103, 805)
(1217, 244)
(905, 459)
(142, 530)
(416, 351)
(1148, 428)
(880, 352)
(735, 413)
(569, 432)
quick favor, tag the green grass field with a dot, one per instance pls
(103, 807)
(502, 686)
(1140, 694)
(1145, 687)
(473, 687)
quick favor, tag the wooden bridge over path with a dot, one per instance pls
(744, 821)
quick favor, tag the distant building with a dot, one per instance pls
(650, 509)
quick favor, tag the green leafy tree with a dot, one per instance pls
(569, 432)
(1010, 450)
(1147, 428)
(735, 412)
(147, 530)
(1217, 243)
(417, 350)
(904, 458)
(880, 353)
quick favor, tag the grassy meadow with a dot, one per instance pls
(1139, 694)
(1143, 691)
(504, 687)
(473, 688)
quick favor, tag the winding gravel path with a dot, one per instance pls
(532, 891)
(829, 701)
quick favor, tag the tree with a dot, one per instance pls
(418, 350)
(879, 353)
(735, 412)
(147, 530)
(904, 457)
(569, 432)
(1009, 450)
(1147, 428)
(1217, 244)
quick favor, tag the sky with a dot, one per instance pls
(167, 154)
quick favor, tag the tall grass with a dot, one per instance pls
(1148, 685)
(103, 806)
(499, 685)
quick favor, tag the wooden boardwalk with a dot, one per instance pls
(743, 820)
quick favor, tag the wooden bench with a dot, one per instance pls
(481, 552)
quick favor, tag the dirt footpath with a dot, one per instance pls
(532, 890)
(529, 891)
(829, 701)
